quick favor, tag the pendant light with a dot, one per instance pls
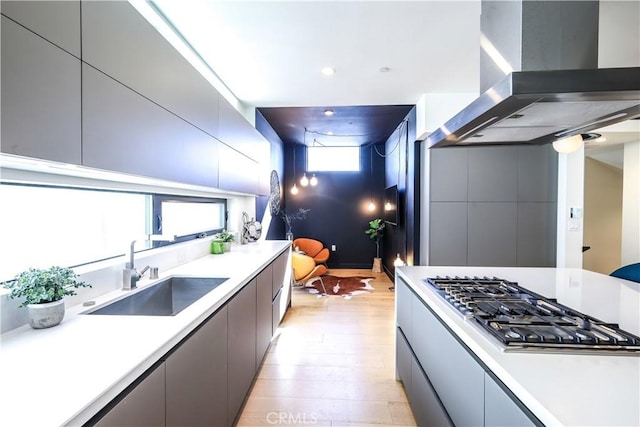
(313, 181)
(372, 206)
(294, 189)
(304, 181)
(568, 145)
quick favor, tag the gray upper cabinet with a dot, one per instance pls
(237, 172)
(237, 132)
(40, 97)
(117, 40)
(493, 174)
(56, 21)
(125, 132)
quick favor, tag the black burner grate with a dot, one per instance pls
(519, 317)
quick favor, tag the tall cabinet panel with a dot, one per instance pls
(117, 40)
(40, 112)
(241, 347)
(196, 390)
(125, 132)
(56, 21)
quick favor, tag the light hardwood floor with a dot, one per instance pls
(332, 364)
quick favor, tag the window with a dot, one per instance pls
(188, 217)
(41, 226)
(45, 226)
(333, 159)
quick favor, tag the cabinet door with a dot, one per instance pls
(280, 265)
(124, 132)
(500, 410)
(276, 312)
(120, 42)
(237, 171)
(238, 133)
(452, 371)
(241, 355)
(197, 377)
(40, 111)
(56, 21)
(404, 298)
(403, 362)
(427, 408)
(264, 313)
(143, 406)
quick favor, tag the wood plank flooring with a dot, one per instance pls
(332, 363)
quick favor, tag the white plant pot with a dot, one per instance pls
(377, 265)
(46, 315)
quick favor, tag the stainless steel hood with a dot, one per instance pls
(539, 107)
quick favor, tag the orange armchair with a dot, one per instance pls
(305, 268)
(313, 248)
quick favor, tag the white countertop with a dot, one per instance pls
(561, 389)
(65, 374)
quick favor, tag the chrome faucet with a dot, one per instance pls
(130, 275)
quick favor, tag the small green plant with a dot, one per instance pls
(375, 232)
(42, 286)
(225, 236)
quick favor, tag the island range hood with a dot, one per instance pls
(539, 107)
(559, 92)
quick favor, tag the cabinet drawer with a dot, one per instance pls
(454, 373)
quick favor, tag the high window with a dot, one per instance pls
(333, 159)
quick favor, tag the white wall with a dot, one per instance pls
(570, 196)
(631, 204)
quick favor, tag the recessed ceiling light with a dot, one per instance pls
(328, 112)
(328, 71)
(330, 132)
(385, 69)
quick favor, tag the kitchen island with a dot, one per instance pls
(67, 374)
(456, 373)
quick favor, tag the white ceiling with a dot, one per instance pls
(270, 53)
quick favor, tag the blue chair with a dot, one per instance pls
(628, 272)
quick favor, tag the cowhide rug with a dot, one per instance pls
(345, 287)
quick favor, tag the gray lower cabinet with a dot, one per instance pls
(40, 110)
(241, 350)
(456, 376)
(196, 377)
(125, 132)
(500, 410)
(143, 406)
(264, 313)
(445, 384)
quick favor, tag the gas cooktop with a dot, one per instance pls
(522, 319)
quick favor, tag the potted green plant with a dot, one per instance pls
(375, 232)
(44, 292)
(225, 237)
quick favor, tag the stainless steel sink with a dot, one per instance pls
(166, 298)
